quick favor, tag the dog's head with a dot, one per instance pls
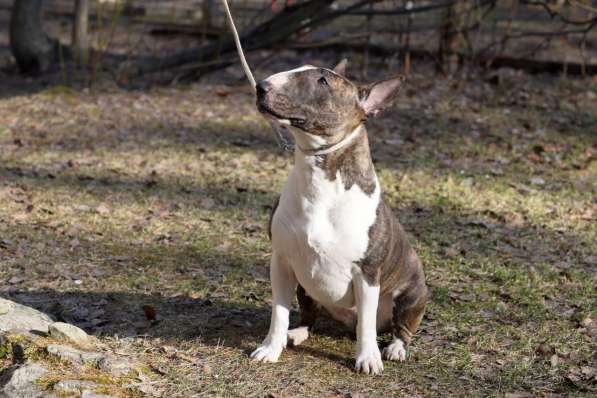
(322, 102)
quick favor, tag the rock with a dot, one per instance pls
(74, 356)
(92, 394)
(18, 382)
(70, 333)
(116, 366)
(5, 307)
(108, 363)
(537, 181)
(73, 386)
(16, 316)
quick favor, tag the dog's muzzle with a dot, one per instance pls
(265, 101)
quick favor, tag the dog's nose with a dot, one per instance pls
(263, 87)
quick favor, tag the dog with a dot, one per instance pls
(335, 241)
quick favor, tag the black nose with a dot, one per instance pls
(263, 87)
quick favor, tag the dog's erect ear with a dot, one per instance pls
(341, 67)
(378, 96)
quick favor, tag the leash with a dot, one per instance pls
(277, 127)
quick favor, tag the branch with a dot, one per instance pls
(528, 65)
(281, 26)
(555, 13)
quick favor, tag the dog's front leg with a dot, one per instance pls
(283, 289)
(367, 297)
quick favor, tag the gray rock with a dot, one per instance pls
(70, 333)
(18, 382)
(116, 366)
(74, 356)
(4, 307)
(16, 316)
(73, 386)
(93, 394)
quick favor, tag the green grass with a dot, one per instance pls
(113, 200)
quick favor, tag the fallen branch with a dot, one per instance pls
(528, 65)
(538, 66)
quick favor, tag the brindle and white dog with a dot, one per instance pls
(335, 241)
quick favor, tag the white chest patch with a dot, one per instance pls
(322, 230)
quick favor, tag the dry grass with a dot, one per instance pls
(111, 200)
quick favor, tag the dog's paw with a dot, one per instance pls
(268, 352)
(298, 335)
(395, 351)
(369, 361)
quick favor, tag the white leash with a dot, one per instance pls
(275, 126)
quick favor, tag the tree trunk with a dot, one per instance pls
(450, 37)
(33, 50)
(80, 39)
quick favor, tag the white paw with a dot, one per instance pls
(395, 351)
(268, 352)
(369, 361)
(298, 335)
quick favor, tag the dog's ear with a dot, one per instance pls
(379, 95)
(341, 67)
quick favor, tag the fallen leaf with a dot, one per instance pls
(554, 360)
(150, 312)
(102, 209)
(208, 203)
(545, 349)
(519, 394)
(15, 280)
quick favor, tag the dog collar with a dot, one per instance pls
(332, 148)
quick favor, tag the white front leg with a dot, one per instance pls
(283, 290)
(367, 297)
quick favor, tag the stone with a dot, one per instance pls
(5, 307)
(17, 316)
(70, 333)
(19, 382)
(75, 356)
(116, 366)
(537, 181)
(73, 386)
(93, 394)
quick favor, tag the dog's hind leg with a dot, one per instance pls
(309, 312)
(409, 307)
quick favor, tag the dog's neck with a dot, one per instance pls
(326, 149)
(349, 159)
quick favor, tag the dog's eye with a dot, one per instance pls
(322, 80)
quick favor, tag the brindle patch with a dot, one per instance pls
(389, 257)
(409, 308)
(353, 163)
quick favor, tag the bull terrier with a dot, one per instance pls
(335, 241)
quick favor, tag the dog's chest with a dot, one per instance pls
(322, 229)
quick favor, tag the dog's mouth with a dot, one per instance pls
(268, 111)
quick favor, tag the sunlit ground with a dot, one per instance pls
(112, 200)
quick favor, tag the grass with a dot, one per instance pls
(113, 200)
